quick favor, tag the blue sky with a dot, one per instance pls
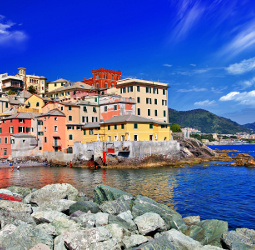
(204, 50)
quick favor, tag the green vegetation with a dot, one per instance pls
(200, 137)
(32, 90)
(176, 128)
(205, 121)
(11, 92)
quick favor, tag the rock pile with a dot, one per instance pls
(58, 217)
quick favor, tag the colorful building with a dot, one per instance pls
(127, 128)
(57, 84)
(151, 97)
(103, 78)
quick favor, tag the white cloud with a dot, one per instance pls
(245, 98)
(244, 40)
(242, 67)
(167, 65)
(9, 36)
(193, 65)
(248, 83)
(205, 103)
(217, 91)
(194, 89)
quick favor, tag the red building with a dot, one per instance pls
(18, 123)
(103, 78)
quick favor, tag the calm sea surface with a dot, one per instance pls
(215, 192)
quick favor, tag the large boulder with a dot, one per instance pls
(23, 191)
(48, 228)
(59, 243)
(208, 232)
(149, 223)
(123, 223)
(143, 204)
(122, 204)
(51, 193)
(12, 212)
(62, 205)
(242, 238)
(25, 237)
(118, 232)
(47, 216)
(105, 193)
(63, 224)
(8, 229)
(84, 206)
(134, 240)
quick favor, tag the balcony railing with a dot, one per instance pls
(56, 144)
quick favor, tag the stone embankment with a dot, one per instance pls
(58, 217)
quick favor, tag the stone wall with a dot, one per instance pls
(130, 149)
(58, 156)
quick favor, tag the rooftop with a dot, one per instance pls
(140, 82)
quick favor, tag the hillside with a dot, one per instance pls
(205, 121)
(250, 125)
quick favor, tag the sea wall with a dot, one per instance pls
(130, 149)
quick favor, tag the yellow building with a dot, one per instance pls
(151, 97)
(34, 104)
(56, 84)
(127, 128)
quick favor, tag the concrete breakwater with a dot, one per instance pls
(58, 216)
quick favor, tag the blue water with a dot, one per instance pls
(217, 192)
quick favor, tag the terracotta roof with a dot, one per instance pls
(53, 112)
(21, 116)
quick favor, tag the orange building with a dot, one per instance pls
(103, 78)
(52, 130)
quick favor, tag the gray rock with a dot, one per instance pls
(143, 204)
(110, 244)
(57, 205)
(47, 216)
(117, 220)
(118, 232)
(23, 191)
(101, 219)
(62, 224)
(25, 237)
(134, 240)
(40, 246)
(242, 238)
(48, 228)
(209, 247)
(157, 244)
(8, 229)
(122, 204)
(105, 193)
(84, 206)
(59, 243)
(11, 212)
(83, 239)
(191, 219)
(208, 232)
(150, 222)
(181, 241)
(51, 193)
(87, 220)
(128, 217)
(77, 214)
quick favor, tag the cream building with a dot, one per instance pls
(52, 86)
(38, 82)
(151, 97)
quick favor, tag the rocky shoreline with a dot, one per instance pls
(59, 217)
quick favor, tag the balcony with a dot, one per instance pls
(56, 144)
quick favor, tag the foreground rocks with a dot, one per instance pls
(56, 217)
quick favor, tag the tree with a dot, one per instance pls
(175, 127)
(11, 92)
(32, 90)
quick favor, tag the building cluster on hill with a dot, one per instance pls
(103, 108)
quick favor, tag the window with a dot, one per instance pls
(163, 126)
(62, 108)
(105, 85)
(138, 99)
(70, 118)
(91, 131)
(105, 109)
(55, 118)
(55, 85)
(164, 113)
(135, 125)
(12, 141)
(21, 130)
(164, 102)
(164, 91)
(11, 121)
(70, 127)
(55, 128)
(138, 111)
(5, 140)
(0, 130)
(37, 104)
(94, 109)
(115, 107)
(11, 129)
(40, 148)
(62, 84)
(45, 139)
(94, 119)
(115, 127)
(122, 126)
(109, 138)
(155, 90)
(69, 150)
(85, 109)
(148, 90)
(28, 129)
(151, 126)
(130, 89)
(78, 127)
(70, 108)
(6, 105)
(148, 100)
(85, 119)
(40, 133)
(84, 132)
(138, 88)
(156, 113)
(123, 90)
(21, 120)
(40, 122)
(95, 99)
(155, 101)
(109, 127)
(5, 152)
(149, 112)
(70, 137)
(135, 137)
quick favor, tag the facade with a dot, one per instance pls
(57, 84)
(34, 103)
(11, 83)
(151, 97)
(127, 128)
(89, 110)
(103, 78)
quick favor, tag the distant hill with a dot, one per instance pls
(205, 121)
(250, 125)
